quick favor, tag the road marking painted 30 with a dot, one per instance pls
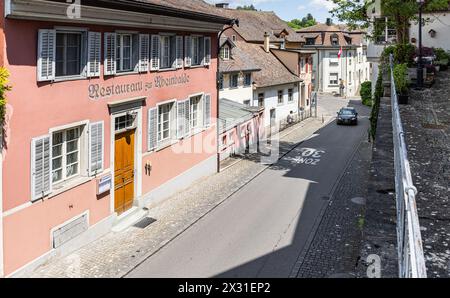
(309, 156)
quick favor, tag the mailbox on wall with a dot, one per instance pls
(104, 184)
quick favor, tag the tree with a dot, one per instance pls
(246, 7)
(399, 12)
(307, 21)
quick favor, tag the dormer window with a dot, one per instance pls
(432, 33)
(334, 40)
(225, 53)
(310, 41)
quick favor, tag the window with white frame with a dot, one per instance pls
(69, 53)
(196, 112)
(65, 154)
(225, 53)
(334, 78)
(334, 40)
(334, 59)
(66, 150)
(280, 97)
(125, 122)
(166, 120)
(124, 52)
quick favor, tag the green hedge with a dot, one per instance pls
(366, 93)
(376, 106)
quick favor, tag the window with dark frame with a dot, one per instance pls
(291, 95)
(248, 79)
(280, 97)
(234, 80)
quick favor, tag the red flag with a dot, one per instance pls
(340, 53)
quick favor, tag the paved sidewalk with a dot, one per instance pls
(117, 253)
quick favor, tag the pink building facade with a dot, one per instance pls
(108, 113)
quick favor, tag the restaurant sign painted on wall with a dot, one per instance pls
(99, 91)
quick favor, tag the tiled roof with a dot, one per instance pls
(273, 72)
(253, 25)
(197, 6)
(240, 61)
(323, 33)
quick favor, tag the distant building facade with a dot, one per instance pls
(340, 60)
(264, 59)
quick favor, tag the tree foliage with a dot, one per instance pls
(306, 21)
(400, 13)
(4, 87)
(246, 7)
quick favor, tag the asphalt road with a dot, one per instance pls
(261, 230)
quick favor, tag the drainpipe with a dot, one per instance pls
(233, 22)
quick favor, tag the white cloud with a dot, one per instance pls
(320, 4)
(301, 7)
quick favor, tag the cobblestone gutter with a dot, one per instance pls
(427, 125)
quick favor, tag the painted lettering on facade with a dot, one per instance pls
(98, 91)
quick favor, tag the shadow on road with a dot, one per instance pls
(320, 161)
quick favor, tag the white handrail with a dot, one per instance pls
(411, 259)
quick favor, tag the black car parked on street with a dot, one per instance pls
(347, 116)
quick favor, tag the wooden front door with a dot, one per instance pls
(124, 171)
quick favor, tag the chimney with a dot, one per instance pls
(266, 42)
(329, 22)
(222, 5)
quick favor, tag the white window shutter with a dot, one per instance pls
(156, 48)
(207, 110)
(207, 60)
(96, 145)
(181, 119)
(188, 51)
(152, 129)
(110, 54)
(144, 52)
(41, 167)
(179, 45)
(46, 55)
(94, 54)
(187, 117)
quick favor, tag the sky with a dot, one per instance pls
(288, 9)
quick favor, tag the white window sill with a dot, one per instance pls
(125, 73)
(165, 144)
(198, 66)
(71, 78)
(167, 69)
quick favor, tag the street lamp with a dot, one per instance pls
(419, 62)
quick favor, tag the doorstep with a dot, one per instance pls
(129, 218)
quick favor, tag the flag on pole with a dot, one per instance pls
(340, 53)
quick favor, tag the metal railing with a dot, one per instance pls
(411, 259)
